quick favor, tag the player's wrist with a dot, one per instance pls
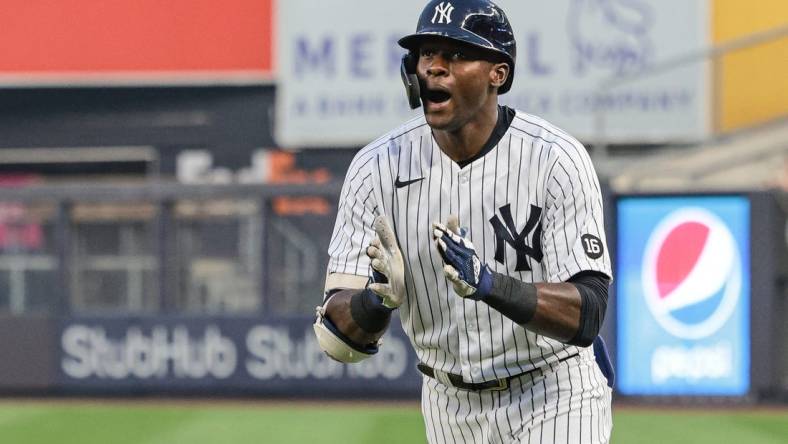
(485, 284)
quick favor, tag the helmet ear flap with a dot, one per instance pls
(410, 79)
(411, 59)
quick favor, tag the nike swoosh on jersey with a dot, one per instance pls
(399, 184)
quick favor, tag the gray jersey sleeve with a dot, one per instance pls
(353, 227)
(573, 235)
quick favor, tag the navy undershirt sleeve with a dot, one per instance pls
(593, 289)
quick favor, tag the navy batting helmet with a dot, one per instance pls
(480, 23)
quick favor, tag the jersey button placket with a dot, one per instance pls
(471, 331)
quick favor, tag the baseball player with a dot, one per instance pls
(482, 227)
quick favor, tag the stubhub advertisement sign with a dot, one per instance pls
(268, 356)
(683, 292)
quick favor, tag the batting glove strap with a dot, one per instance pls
(485, 284)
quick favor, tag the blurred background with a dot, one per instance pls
(168, 181)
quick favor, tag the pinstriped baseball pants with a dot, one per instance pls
(568, 402)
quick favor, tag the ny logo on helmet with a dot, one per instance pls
(443, 12)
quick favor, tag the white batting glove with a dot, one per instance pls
(469, 276)
(386, 259)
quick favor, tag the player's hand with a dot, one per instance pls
(388, 269)
(470, 277)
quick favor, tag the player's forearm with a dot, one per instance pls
(548, 309)
(571, 312)
(557, 312)
(358, 316)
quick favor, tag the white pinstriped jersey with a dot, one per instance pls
(532, 207)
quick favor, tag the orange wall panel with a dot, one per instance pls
(105, 36)
(753, 86)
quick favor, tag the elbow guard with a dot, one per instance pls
(335, 344)
(593, 303)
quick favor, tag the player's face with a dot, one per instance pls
(456, 82)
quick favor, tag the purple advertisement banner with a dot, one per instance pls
(340, 85)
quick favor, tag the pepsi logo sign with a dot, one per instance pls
(692, 273)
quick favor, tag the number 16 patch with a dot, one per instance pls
(592, 246)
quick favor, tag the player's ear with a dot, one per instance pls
(498, 74)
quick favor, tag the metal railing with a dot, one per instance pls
(160, 247)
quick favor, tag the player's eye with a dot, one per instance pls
(427, 52)
(459, 55)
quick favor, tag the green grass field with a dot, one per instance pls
(42, 422)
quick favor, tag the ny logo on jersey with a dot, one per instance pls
(443, 12)
(506, 233)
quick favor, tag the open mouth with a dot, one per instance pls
(437, 96)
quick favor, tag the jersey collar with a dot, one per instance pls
(505, 117)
